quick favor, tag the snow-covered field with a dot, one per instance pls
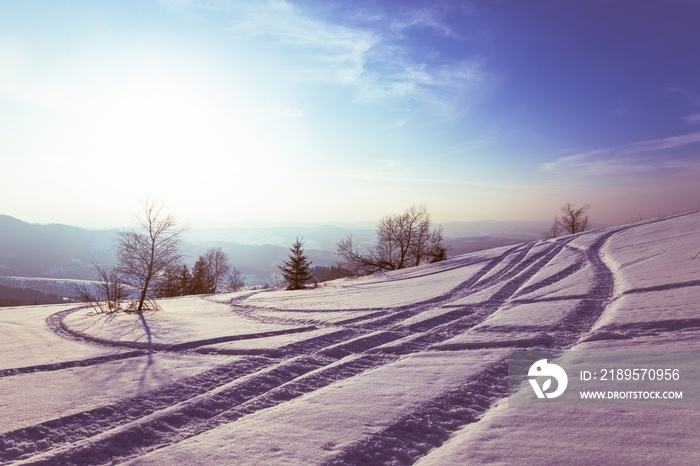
(399, 368)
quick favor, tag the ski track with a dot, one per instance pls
(192, 405)
(413, 435)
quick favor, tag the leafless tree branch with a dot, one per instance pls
(403, 240)
(147, 252)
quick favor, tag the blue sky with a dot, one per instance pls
(310, 111)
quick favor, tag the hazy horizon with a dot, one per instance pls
(130, 219)
(360, 224)
(316, 111)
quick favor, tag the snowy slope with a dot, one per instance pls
(398, 368)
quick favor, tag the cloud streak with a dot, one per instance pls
(665, 143)
(633, 159)
(321, 51)
(373, 58)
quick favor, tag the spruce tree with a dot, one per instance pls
(184, 281)
(297, 269)
(168, 284)
(201, 281)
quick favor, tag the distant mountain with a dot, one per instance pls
(62, 251)
(319, 237)
(52, 250)
(12, 296)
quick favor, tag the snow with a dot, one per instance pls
(53, 394)
(181, 319)
(574, 437)
(329, 419)
(368, 293)
(403, 367)
(25, 341)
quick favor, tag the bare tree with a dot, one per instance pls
(356, 261)
(403, 240)
(436, 249)
(571, 221)
(233, 281)
(146, 252)
(105, 295)
(554, 230)
(217, 263)
(574, 220)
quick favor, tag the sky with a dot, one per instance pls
(231, 111)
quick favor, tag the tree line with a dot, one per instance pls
(211, 273)
(402, 240)
(150, 262)
(407, 239)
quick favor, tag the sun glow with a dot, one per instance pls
(169, 131)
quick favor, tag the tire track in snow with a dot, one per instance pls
(477, 282)
(74, 428)
(70, 364)
(460, 291)
(579, 321)
(396, 314)
(22, 443)
(384, 320)
(201, 396)
(452, 323)
(559, 276)
(664, 287)
(524, 274)
(309, 345)
(55, 322)
(430, 425)
(518, 260)
(262, 390)
(513, 274)
(642, 329)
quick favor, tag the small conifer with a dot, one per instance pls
(297, 269)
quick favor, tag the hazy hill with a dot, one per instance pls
(52, 250)
(13, 296)
(62, 251)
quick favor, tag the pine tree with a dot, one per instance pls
(169, 284)
(201, 281)
(297, 269)
(184, 280)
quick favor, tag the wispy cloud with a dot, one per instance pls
(421, 18)
(665, 143)
(473, 144)
(693, 119)
(316, 50)
(371, 56)
(635, 158)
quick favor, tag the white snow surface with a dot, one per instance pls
(403, 367)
